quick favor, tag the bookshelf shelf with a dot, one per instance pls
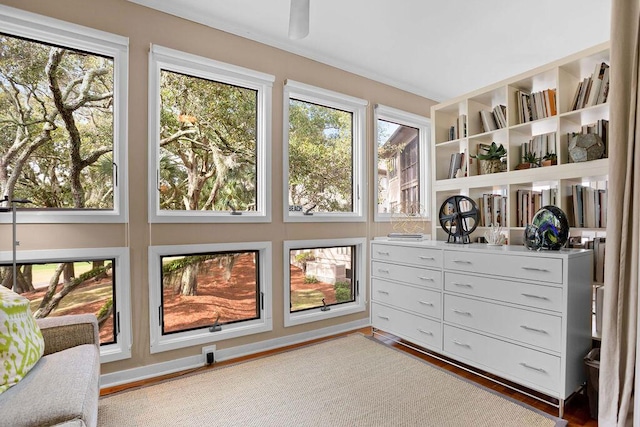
(558, 85)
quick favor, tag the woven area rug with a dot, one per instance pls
(347, 381)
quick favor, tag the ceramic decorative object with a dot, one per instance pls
(494, 236)
(490, 166)
(549, 229)
(584, 147)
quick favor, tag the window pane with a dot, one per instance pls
(208, 152)
(61, 288)
(200, 289)
(321, 276)
(320, 158)
(56, 141)
(398, 168)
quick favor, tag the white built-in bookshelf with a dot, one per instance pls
(579, 189)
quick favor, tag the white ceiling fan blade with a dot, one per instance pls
(299, 19)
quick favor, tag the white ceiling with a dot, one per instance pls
(435, 48)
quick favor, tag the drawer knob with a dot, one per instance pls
(463, 285)
(461, 344)
(526, 365)
(381, 270)
(383, 317)
(542, 270)
(463, 313)
(430, 304)
(535, 296)
(383, 253)
(529, 328)
(427, 258)
(428, 279)
(461, 261)
(422, 331)
(383, 292)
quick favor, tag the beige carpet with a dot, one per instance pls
(349, 381)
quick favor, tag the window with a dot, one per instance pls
(324, 279)
(402, 159)
(206, 293)
(323, 155)
(63, 100)
(209, 130)
(77, 281)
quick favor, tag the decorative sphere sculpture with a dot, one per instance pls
(549, 229)
(583, 147)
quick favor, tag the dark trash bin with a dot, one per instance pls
(592, 362)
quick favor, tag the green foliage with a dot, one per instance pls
(343, 291)
(496, 152)
(530, 157)
(180, 263)
(304, 257)
(105, 308)
(320, 157)
(550, 156)
(310, 279)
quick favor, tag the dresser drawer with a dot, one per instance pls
(420, 330)
(402, 273)
(426, 257)
(539, 329)
(505, 359)
(499, 264)
(539, 296)
(420, 300)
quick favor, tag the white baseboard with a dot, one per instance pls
(192, 362)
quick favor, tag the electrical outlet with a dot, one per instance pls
(206, 350)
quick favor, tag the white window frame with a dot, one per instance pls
(264, 323)
(423, 124)
(19, 23)
(121, 276)
(162, 58)
(337, 310)
(331, 99)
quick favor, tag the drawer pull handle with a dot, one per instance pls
(461, 344)
(535, 296)
(463, 285)
(380, 270)
(463, 313)
(383, 292)
(533, 367)
(422, 331)
(427, 258)
(428, 279)
(383, 317)
(430, 304)
(529, 328)
(461, 261)
(383, 253)
(542, 270)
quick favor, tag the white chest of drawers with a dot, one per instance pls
(523, 316)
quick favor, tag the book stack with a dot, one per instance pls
(540, 145)
(537, 105)
(528, 202)
(458, 163)
(589, 206)
(493, 210)
(459, 129)
(494, 120)
(592, 90)
(598, 245)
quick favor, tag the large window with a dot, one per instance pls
(77, 281)
(209, 132)
(401, 157)
(63, 113)
(324, 279)
(206, 293)
(324, 148)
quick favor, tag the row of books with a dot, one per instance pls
(589, 206)
(537, 105)
(459, 129)
(528, 202)
(493, 210)
(457, 165)
(494, 120)
(592, 90)
(540, 145)
(598, 245)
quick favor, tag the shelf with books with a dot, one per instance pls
(450, 123)
(487, 111)
(584, 80)
(544, 135)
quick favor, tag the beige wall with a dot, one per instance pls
(144, 26)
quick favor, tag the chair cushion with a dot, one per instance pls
(21, 342)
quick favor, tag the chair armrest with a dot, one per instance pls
(64, 332)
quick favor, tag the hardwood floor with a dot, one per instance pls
(576, 409)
